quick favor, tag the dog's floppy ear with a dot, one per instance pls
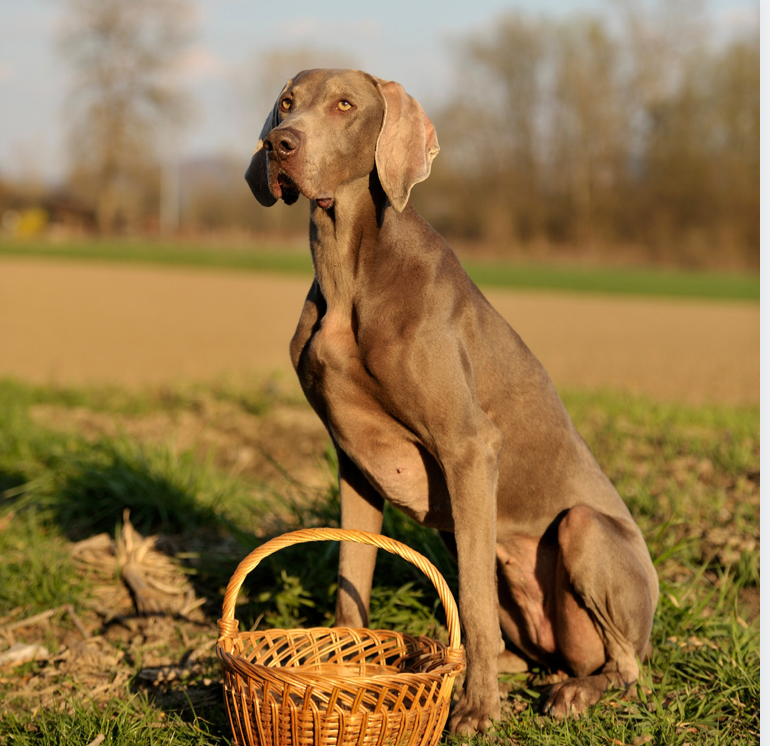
(406, 146)
(256, 174)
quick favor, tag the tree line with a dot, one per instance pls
(634, 133)
(581, 134)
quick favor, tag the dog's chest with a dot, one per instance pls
(330, 369)
(332, 353)
(348, 399)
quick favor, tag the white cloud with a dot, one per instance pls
(200, 62)
(7, 72)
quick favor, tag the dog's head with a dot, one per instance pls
(330, 127)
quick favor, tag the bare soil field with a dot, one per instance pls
(69, 322)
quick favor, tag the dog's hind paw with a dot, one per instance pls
(573, 697)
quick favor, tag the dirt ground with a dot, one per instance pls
(69, 322)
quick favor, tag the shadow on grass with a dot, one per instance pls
(208, 520)
(159, 488)
(10, 481)
(177, 495)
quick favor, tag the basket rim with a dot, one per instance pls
(363, 631)
(442, 669)
(448, 658)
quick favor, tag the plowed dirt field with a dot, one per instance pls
(69, 322)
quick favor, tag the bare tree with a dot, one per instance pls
(589, 134)
(491, 131)
(122, 55)
(589, 127)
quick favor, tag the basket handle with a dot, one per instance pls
(228, 625)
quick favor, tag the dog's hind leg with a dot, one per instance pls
(605, 596)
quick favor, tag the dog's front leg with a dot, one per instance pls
(472, 482)
(361, 508)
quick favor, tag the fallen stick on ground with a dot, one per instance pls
(76, 621)
(31, 621)
(21, 653)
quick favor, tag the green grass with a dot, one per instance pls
(689, 475)
(288, 257)
(134, 721)
(294, 258)
(36, 572)
(625, 281)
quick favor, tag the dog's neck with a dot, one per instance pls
(342, 236)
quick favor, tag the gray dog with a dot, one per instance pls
(435, 404)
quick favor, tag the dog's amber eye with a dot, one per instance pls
(344, 105)
(286, 104)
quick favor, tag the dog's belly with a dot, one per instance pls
(387, 453)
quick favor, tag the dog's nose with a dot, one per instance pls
(284, 141)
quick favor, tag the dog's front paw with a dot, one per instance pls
(474, 714)
(572, 698)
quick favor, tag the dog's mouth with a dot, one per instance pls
(286, 188)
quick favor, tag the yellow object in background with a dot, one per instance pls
(25, 223)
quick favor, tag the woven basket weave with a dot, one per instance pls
(337, 685)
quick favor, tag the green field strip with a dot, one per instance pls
(294, 258)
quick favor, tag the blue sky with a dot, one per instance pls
(406, 40)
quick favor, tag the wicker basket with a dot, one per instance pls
(337, 685)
